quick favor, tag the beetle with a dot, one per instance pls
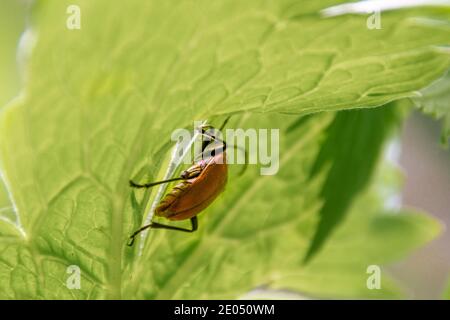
(201, 184)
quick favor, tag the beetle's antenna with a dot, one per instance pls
(224, 123)
(244, 150)
(149, 185)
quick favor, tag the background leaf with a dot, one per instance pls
(352, 158)
(435, 102)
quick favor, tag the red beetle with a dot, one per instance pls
(202, 183)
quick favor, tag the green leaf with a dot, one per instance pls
(345, 163)
(435, 102)
(433, 99)
(100, 104)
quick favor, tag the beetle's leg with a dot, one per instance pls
(149, 185)
(155, 225)
(194, 226)
(190, 173)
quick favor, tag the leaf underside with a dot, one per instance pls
(100, 103)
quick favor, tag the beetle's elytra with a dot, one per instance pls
(191, 196)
